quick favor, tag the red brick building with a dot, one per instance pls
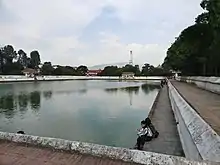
(93, 72)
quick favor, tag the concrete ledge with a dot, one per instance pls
(211, 84)
(153, 106)
(132, 156)
(14, 78)
(199, 140)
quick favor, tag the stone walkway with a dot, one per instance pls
(168, 142)
(206, 103)
(17, 154)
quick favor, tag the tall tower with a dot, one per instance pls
(131, 58)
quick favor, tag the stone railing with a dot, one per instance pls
(127, 155)
(199, 140)
(208, 83)
(15, 78)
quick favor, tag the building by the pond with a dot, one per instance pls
(93, 72)
(127, 75)
(29, 72)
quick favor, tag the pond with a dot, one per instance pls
(102, 112)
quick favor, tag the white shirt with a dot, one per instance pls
(145, 131)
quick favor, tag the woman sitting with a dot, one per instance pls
(144, 134)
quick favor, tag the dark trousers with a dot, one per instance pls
(141, 141)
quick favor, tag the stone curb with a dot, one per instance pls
(132, 156)
(211, 84)
(154, 104)
(206, 140)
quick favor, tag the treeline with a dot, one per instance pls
(48, 69)
(13, 62)
(197, 50)
(147, 70)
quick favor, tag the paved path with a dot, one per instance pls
(206, 103)
(168, 141)
(17, 154)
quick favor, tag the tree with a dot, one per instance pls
(13, 69)
(82, 70)
(1, 60)
(47, 69)
(58, 71)
(212, 17)
(22, 58)
(111, 71)
(35, 59)
(189, 53)
(137, 70)
(196, 51)
(130, 68)
(64, 70)
(8, 53)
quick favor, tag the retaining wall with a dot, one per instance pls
(199, 140)
(208, 83)
(132, 156)
(19, 78)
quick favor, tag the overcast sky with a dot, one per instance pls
(90, 32)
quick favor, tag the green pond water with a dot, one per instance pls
(102, 112)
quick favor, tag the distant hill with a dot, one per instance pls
(120, 64)
(102, 66)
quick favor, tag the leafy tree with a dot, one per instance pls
(129, 68)
(1, 61)
(13, 69)
(64, 70)
(111, 71)
(150, 70)
(35, 59)
(82, 70)
(22, 58)
(58, 71)
(8, 53)
(189, 52)
(47, 69)
(196, 50)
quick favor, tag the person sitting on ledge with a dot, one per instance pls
(21, 132)
(152, 128)
(144, 134)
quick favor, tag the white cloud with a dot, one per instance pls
(53, 27)
(112, 50)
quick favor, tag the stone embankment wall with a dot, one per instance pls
(124, 154)
(14, 78)
(199, 140)
(208, 83)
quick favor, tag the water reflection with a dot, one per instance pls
(10, 103)
(35, 100)
(76, 111)
(7, 106)
(23, 102)
(146, 88)
(111, 90)
(47, 94)
(134, 89)
(82, 91)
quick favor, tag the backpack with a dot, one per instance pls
(152, 128)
